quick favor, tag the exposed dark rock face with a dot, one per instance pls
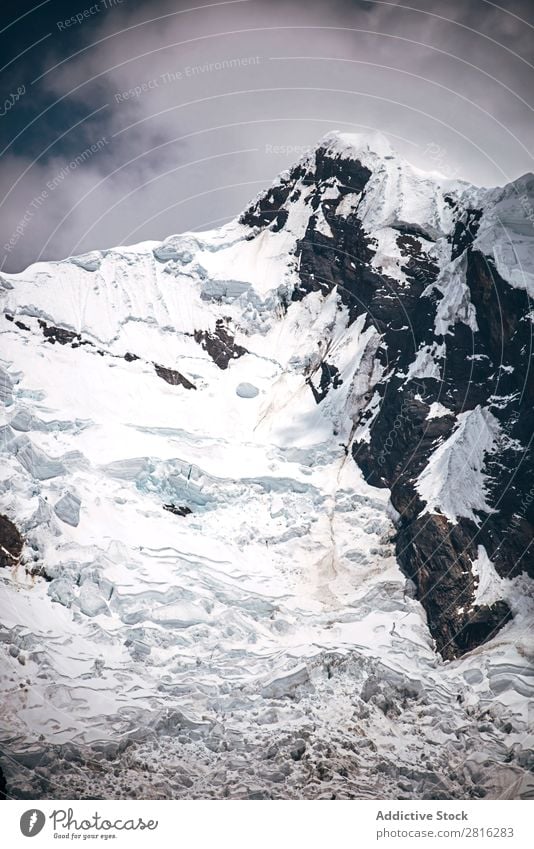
(329, 379)
(343, 261)
(11, 546)
(177, 509)
(418, 267)
(3, 785)
(11, 542)
(53, 334)
(268, 209)
(59, 334)
(220, 345)
(507, 335)
(352, 175)
(19, 324)
(437, 556)
(481, 625)
(488, 366)
(173, 377)
(465, 231)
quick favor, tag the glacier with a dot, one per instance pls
(209, 602)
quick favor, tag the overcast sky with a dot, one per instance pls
(123, 121)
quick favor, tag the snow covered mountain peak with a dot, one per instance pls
(368, 148)
(262, 477)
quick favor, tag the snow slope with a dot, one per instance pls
(453, 480)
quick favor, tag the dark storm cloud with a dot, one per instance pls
(137, 119)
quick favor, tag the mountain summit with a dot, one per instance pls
(267, 488)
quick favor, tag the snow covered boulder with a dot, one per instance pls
(61, 590)
(23, 421)
(91, 601)
(247, 390)
(68, 509)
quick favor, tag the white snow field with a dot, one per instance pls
(265, 644)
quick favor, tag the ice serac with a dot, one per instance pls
(265, 509)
